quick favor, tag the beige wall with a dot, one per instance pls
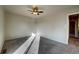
(1, 27)
(56, 27)
(18, 26)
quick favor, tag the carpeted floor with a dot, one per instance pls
(13, 44)
(48, 46)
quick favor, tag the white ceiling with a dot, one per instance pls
(23, 9)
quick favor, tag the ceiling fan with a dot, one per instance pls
(35, 10)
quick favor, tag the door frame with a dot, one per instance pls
(68, 20)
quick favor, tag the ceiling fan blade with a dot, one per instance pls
(31, 13)
(40, 11)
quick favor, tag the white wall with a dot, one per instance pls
(18, 26)
(1, 27)
(56, 27)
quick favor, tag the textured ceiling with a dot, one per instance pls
(48, 9)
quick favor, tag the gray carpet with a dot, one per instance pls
(13, 44)
(48, 46)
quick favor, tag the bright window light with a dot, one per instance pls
(33, 34)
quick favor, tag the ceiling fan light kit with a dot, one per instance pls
(35, 13)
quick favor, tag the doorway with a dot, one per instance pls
(73, 29)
